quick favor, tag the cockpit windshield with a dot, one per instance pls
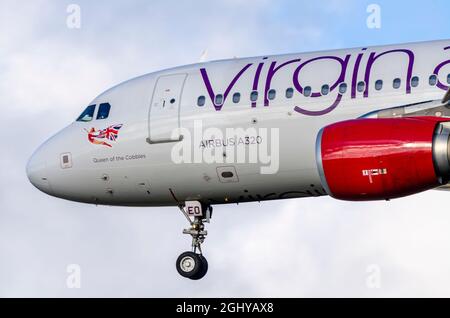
(87, 114)
(103, 111)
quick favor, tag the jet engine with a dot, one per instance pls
(382, 159)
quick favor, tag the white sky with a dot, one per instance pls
(304, 247)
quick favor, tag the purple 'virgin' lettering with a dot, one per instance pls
(344, 65)
(270, 74)
(319, 112)
(341, 79)
(355, 73)
(373, 57)
(210, 90)
(256, 80)
(438, 69)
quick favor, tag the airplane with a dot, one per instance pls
(361, 124)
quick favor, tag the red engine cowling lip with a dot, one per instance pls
(377, 159)
(319, 162)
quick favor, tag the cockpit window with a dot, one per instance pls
(87, 114)
(103, 111)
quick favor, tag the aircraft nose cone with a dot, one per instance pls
(37, 171)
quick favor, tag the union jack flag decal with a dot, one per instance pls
(98, 137)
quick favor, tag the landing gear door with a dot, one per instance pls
(164, 115)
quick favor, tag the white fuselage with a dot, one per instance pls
(137, 167)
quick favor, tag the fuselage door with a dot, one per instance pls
(164, 116)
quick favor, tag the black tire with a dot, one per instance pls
(189, 264)
(203, 269)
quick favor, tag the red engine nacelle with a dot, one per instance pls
(380, 159)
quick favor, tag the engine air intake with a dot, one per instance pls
(381, 159)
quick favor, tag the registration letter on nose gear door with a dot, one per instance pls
(193, 208)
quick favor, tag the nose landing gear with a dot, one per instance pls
(193, 264)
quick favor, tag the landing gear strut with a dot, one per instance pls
(193, 264)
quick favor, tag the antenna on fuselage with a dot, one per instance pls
(204, 56)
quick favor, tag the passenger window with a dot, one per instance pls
(397, 83)
(448, 79)
(236, 98)
(272, 94)
(254, 96)
(325, 89)
(433, 80)
(103, 111)
(289, 92)
(219, 99)
(201, 101)
(361, 86)
(343, 88)
(87, 114)
(415, 81)
(379, 85)
(307, 91)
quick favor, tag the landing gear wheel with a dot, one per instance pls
(189, 265)
(203, 269)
